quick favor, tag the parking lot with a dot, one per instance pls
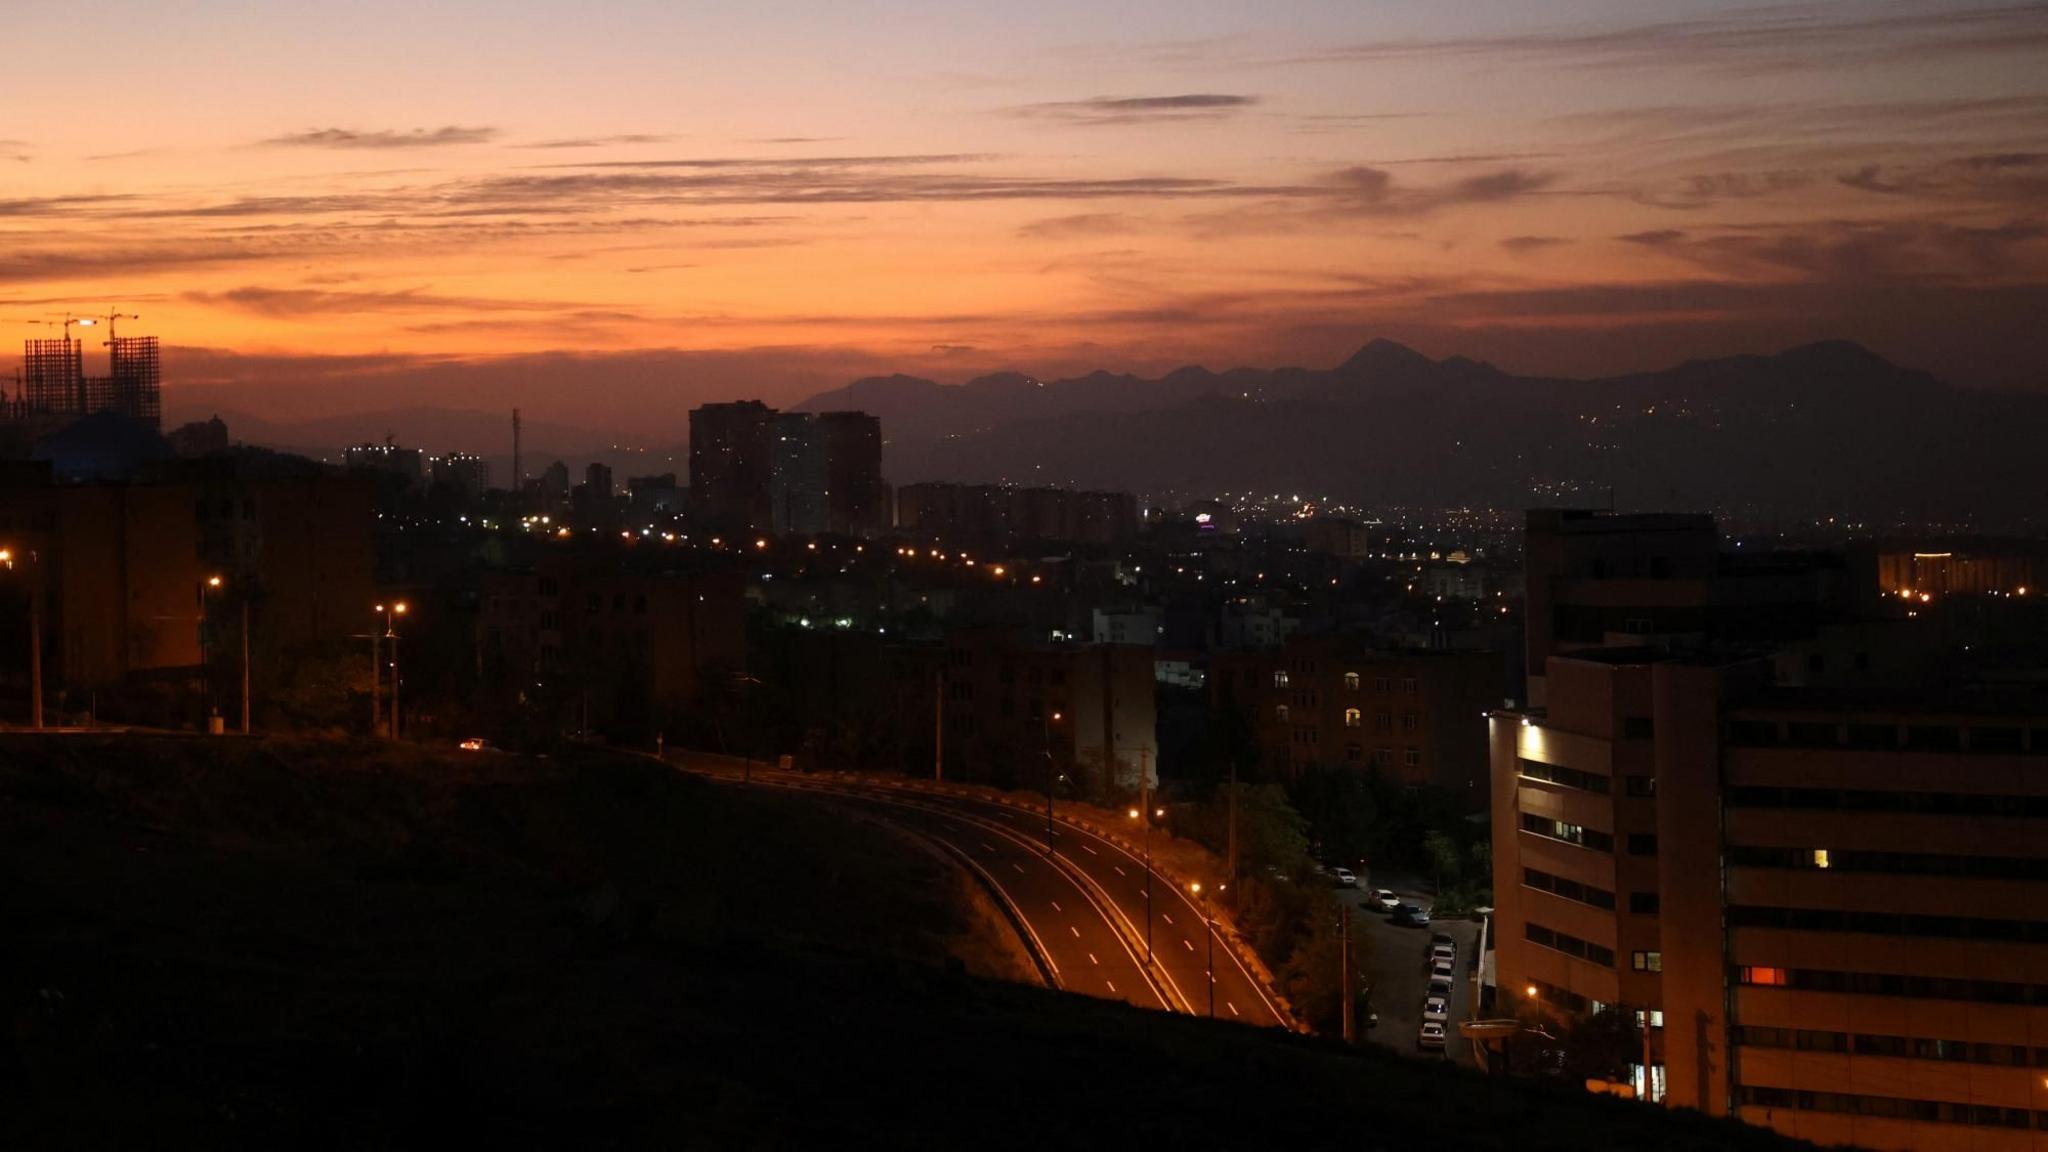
(1398, 971)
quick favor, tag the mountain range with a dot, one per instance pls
(1822, 429)
(1827, 429)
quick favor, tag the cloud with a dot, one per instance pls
(1107, 111)
(350, 139)
(1790, 37)
(294, 302)
(34, 206)
(795, 139)
(1079, 226)
(1525, 244)
(1655, 238)
(596, 141)
(2019, 178)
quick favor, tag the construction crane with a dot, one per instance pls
(110, 318)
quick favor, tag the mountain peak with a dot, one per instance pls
(1383, 355)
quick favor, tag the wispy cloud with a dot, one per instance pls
(596, 141)
(1527, 244)
(1078, 226)
(295, 302)
(1781, 38)
(346, 138)
(1108, 111)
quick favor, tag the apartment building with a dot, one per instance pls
(1831, 905)
(1334, 701)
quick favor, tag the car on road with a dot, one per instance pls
(1431, 1036)
(1436, 1008)
(1440, 986)
(1345, 877)
(1383, 900)
(1411, 916)
(478, 744)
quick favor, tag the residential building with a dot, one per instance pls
(469, 475)
(1337, 701)
(409, 463)
(858, 502)
(730, 465)
(799, 476)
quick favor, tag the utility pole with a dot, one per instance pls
(376, 685)
(1233, 829)
(245, 665)
(939, 725)
(394, 684)
(1344, 971)
(1049, 774)
(35, 655)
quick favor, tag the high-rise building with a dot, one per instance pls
(597, 478)
(654, 493)
(731, 464)
(1810, 867)
(470, 475)
(799, 503)
(859, 498)
(387, 457)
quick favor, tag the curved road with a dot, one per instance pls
(1086, 905)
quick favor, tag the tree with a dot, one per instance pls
(1603, 1045)
(1270, 833)
(1445, 859)
(1314, 974)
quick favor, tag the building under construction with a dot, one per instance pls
(53, 387)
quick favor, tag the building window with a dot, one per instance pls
(1353, 718)
(1644, 903)
(1569, 833)
(1280, 711)
(1353, 753)
(1646, 961)
(1383, 721)
(1642, 844)
(1763, 977)
(1280, 678)
(1351, 681)
(1384, 757)
(1640, 787)
(1379, 685)
(1568, 888)
(1412, 757)
(1564, 777)
(1568, 944)
(1409, 685)
(1410, 721)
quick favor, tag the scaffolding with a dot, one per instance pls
(53, 376)
(134, 386)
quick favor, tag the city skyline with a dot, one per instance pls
(688, 206)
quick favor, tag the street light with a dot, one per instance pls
(209, 584)
(35, 636)
(1051, 718)
(1209, 928)
(1140, 815)
(391, 613)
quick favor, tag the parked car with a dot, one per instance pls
(1411, 916)
(1383, 900)
(1431, 1036)
(1436, 1008)
(1440, 986)
(1345, 877)
(1442, 938)
(1443, 968)
(1443, 952)
(478, 744)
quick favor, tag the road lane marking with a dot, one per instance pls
(1075, 931)
(1233, 1008)
(1185, 944)
(1018, 867)
(1090, 851)
(1112, 986)
(1119, 871)
(1092, 959)
(987, 847)
(1165, 917)
(1055, 905)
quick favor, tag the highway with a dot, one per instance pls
(1085, 906)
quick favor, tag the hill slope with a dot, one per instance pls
(327, 946)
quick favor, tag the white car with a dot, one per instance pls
(1444, 952)
(1345, 877)
(1384, 899)
(1442, 968)
(1431, 1036)
(1437, 1009)
(1440, 986)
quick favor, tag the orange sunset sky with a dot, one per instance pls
(610, 211)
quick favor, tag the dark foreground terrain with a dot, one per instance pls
(285, 945)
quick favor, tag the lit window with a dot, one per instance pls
(1820, 857)
(1280, 679)
(1280, 710)
(1353, 718)
(1766, 977)
(1351, 681)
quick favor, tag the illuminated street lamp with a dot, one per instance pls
(390, 612)
(210, 584)
(1051, 718)
(1209, 928)
(35, 636)
(1140, 815)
